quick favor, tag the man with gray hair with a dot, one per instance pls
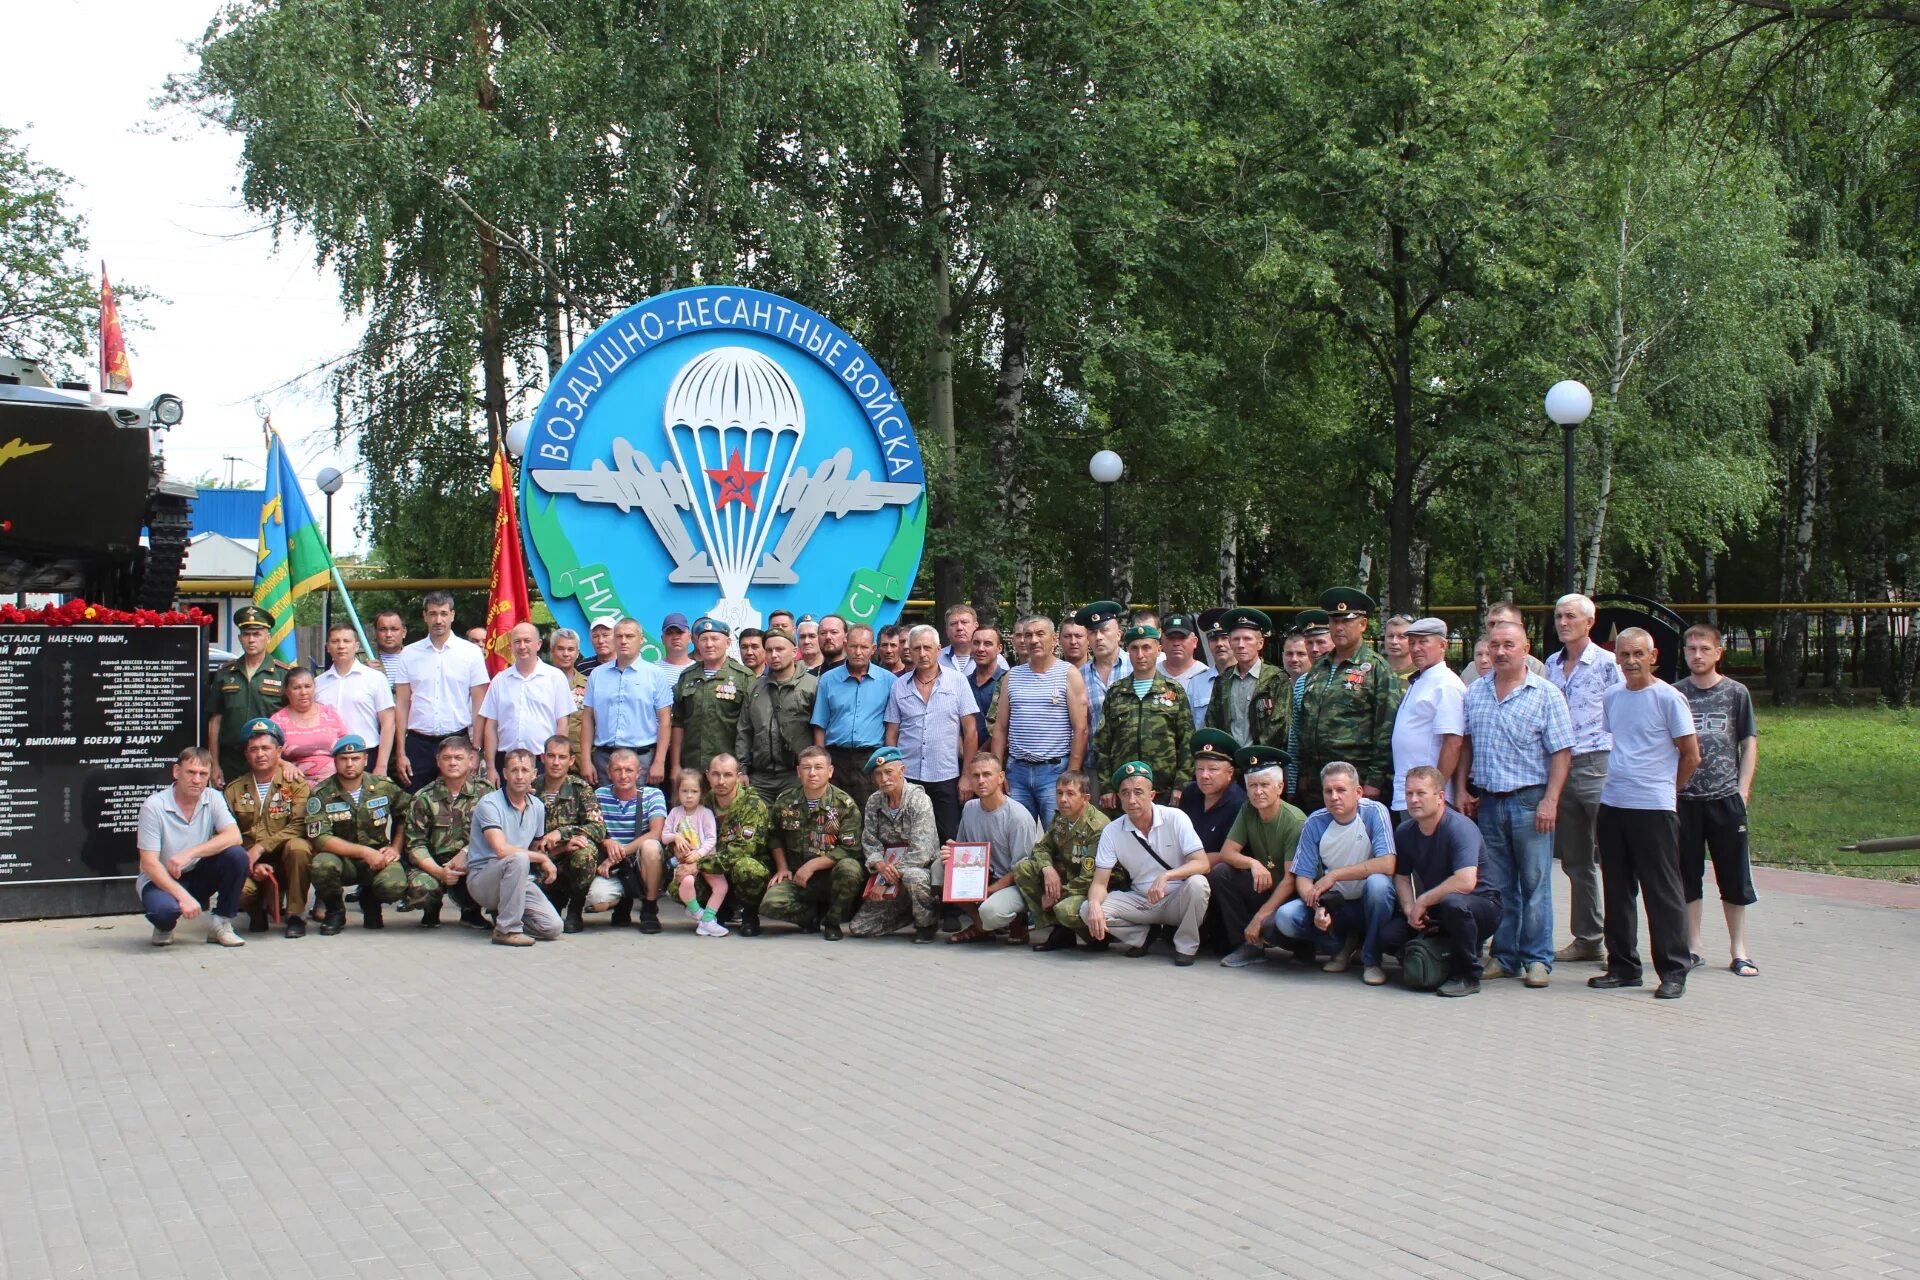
(930, 717)
(1431, 724)
(1252, 874)
(1584, 673)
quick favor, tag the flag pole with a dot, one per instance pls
(346, 598)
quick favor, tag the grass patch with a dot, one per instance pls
(1829, 776)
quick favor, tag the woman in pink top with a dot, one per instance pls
(311, 728)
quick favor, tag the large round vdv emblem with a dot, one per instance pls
(727, 452)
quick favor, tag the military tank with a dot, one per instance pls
(80, 478)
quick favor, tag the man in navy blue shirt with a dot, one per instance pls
(1215, 797)
(1436, 879)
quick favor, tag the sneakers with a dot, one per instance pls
(162, 937)
(295, 927)
(1375, 975)
(1494, 969)
(1582, 951)
(1537, 975)
(1243, 955)
(220, 933)
(711, 929)
(474, 918)
(1459, 987)
(512, 939)
(1342, 959)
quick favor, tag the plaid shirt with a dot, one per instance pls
(1514, 737)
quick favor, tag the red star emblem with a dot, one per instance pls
(735, 483)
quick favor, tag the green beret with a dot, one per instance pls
(1142, 632)
(885, 755)
(1132, 769)
(1260, 756)
(1099, 613)
(1347, 602)
(1310, 622)
(1213, 744)
(252, 615)
(1244, 617)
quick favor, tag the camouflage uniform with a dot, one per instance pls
(577, 686)
(1267, 709)
(236, 700)
(775, 727)
(741, 831)
(439, 822)
(279, 827)
(830, 829)
(912, 826)
(572, 811)
(374, 822)
(1154, 729)
(1346, 713)
(706, 711)
(1068, 847)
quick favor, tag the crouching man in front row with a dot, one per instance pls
(1436, 877)
(190, 851)
(503, 857)
(1343, 873)
(1159, 849)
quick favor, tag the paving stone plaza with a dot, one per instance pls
(611, 1105)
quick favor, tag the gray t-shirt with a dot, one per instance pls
(521, 827)
(1010, 829)
(1644, 724)
(1723, 717)
(166, 831)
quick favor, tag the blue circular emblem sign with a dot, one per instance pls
(726, 452)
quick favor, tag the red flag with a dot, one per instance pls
(115, 373)
(507, 605)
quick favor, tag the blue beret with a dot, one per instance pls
(259, 725)
(352, 742)
(885, 755)
(704, 624)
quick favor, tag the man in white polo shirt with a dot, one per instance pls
(359, 693)
(437, 693)
(1167, 863)
(1431, 724)
(524, 705)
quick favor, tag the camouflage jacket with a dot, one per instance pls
(830, 830)
(911, 826)
(439, 821)
(1154, 729)
(1346, 713)
(1068, 847)
(776, 726)
(742, 828)
(1267, 710)
(706, 711)
(376, 820)
(281, 818)
(572, 810)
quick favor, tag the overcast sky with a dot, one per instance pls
(160, 196)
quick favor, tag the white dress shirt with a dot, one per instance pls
(527, 708)
(440, 684)
(359, 696)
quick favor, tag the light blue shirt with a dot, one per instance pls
(853, 712)
(626, 703)
(1198, 682)
(165, 830)
(495, 812)
(1585, 687)
(1646, 725)
(1514, 737)
(930, 727)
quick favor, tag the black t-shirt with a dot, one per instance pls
(1213, 824)
(1430, 859)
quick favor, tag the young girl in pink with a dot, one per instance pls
(688, 840)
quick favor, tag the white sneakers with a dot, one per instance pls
(220, 933)
(162, 937)
(711, 929)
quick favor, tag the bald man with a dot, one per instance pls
(524, 705)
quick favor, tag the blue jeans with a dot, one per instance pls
(1032, 785)
(1518, 864)
(1364, 916)
(224, 873)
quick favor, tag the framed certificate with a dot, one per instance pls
(969, 868)
(879, 890)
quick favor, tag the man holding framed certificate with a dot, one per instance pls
(900, 839)
(1160, 850)
(982, 886)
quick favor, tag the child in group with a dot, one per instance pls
(688, 840)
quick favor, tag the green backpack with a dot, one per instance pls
(1423, 964)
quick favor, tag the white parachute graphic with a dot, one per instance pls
(735, 422)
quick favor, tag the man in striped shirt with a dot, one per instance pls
(634, 816)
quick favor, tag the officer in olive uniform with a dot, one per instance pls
(811, 822)
(1249, 700)
(1153, 726)
(777, 724)
(439, 823)
(742, 827)
(251, 687)
(708, 699)
(1214, 636)
(357, 823)
(1066, 850)
(1347, 705)
(575, 832)
(271, 808)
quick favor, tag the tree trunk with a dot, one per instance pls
(1786, 654)
(552, 328)
(1877, 664)
(1400, 377)
(1229, 560)
(1417, 571)
(930, 174)
(1710, 585)
(1620, 361)
(493, 350)
(1003, 451)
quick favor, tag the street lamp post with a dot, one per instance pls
(1106, 468)
(329, 481)
(1568, 403)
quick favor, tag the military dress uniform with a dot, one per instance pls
(775, 727)
(239, 698)
(373, 820)
(276, 820)
(741, 833)
(439, 823)
(1346, 712)
(1067, 847)
(572, 811)
(706, 711)
(803, 830)
(1155, 728)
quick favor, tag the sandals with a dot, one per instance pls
(1744, 968)
(972, 933)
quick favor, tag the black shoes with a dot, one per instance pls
(1608, 981)
(257, 920)
(370, 917)
(336, 916)
(622, 917)
(1183, 958)
(475, 918)
(749, 924)
(923, 933)
(650, 916)
(1134, 953)
(430, 915)
(575, 922)
(1459, 987)
(294, 927)
(1670, 990)
(1061, 939)
(830, 930)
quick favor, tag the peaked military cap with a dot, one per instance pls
(1179, 624)
(885, 755)
(1244, 617)
(1347, 602)
(349, 744)
(1259, 756)
(1310, 622)
(1132, 769)
(1214, 744)
(1099, 613)
(259, 725)
(705, 623)
(1210, 620)
(1145, 631)
(252, 615)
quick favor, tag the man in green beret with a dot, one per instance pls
(1347, 705)
(1148, 718)
(1249, 700)
(707, 700)
(1253, 873)
(357, 823)
(1055, 879)
(1160, 850)
(251, 687)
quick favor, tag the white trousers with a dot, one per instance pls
(1129, 914)
(507, 888)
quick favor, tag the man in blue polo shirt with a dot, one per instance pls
(628, 706)
(190, 851)
(1343, 874)
(502, 859)
(850, 714)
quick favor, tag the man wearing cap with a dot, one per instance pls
(526, 704)
(504, 858)
(930, 718)
(600, 636)
(900, 842)
(575, 831)
(442, 681)
(1436, 877)
(1213, 632)
(1584, 673)
(190, 854)
(1347, 704)
(1055, 878)
(743, 829)
(629, 704)
(1179, 635)
(359, 693)
(1147, 717)
(271, 809)
(777, 723)
(707, 700)
(1251, 875)
(1213, 799)
(1039, 719)
(676, 634)
(438, 825)
(850, 714)
(357, 824)
(1162, 853)
(817, 858)
(1102, 667)
(1342, 875)
(251, 687)
(1249, 700)
(1430, 726)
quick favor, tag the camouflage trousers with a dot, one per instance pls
(293, 867)
(427, 893)
(828, 894)
(914, 904)
(747, 875)
(576, 868)
(1033, 887)
(332, 873)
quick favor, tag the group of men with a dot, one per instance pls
(1127, 770)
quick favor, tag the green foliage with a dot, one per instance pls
(48, 297)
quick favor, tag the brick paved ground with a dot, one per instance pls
(402, 1104)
